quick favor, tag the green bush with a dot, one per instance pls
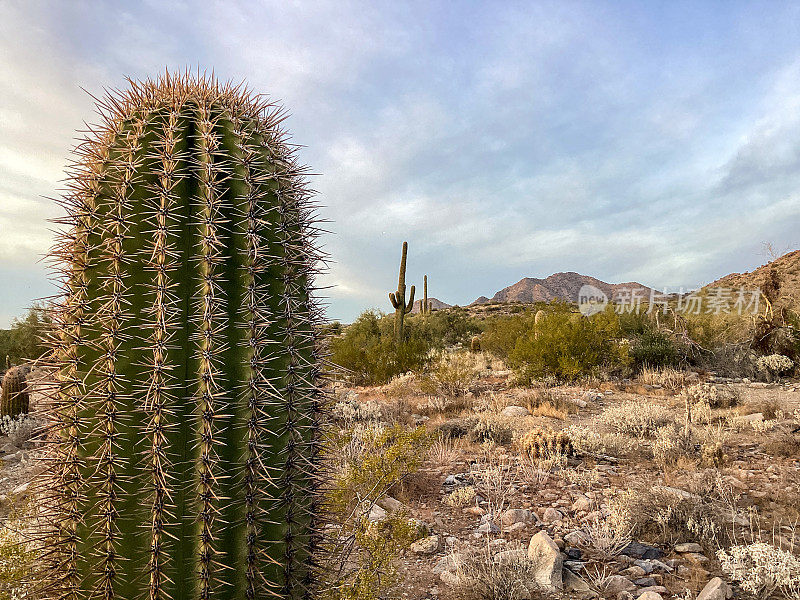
(445, 328)
(569, 346)
(368, 352)
(26, 338)
(653, 349)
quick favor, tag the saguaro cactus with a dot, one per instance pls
(15, 400)
(188, 404)
(398, 298)
(424, 305)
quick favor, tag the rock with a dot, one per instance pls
(548, 562)
(645, 582)
(575, 538)
(475, 510)
(390, 504)
(688, 547)
(515, 527)
(427, 545)
(637, 550)
(575, 566)
(653, 589)
(21, 490)
(758, 385)
(448, 578)
(458, 480)
(573, 553)
(749, 418)
(696, 557)
(551, 515)
(515, 411)
(624, 595)
(615, 584)
(516, 515)
(634, 571)
(573, 583)
(716, 589)
(650, 595)
(447, 563)
(580, 403)
(487, 527)
(582, 503)
(676, 492)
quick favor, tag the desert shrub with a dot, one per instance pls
(347, 409)
(27, 338)
(786, 444)
(15, 563)
(665, 516)
(672, 443)
(713, 395)
(639, 419)
(774, 365)
(511, 575)
(460, 497)
(592, 441)
(21, 429)
(452, 374)
(653, 348)
(456, 428)
(445, 328)
(373, 459)
(544, 402)
(368, 352)
(488, 430)
(569, 346)
(372, 559)
(762, 569)
(502, 333)
(667, 377)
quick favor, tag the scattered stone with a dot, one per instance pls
(551, 515)
(654, 589)
(515, 527)
(576, 566)
(447, 563)
(21, 490)
(390, 504)
(575, 538)
(752, 418)
(582, 503)
(676, 491)
(573, 583)
(645, 582)
(515, 411)
(645, 551)
(516, 515)
(650, 595)
(716, 589)
(696, 557)
(573, 553)
(580, 403)
(759, 385)
(548, 561)
(427, 545)
(487, 527)
(688, 547)
(458, 480)
(615, 584)
(634, 571)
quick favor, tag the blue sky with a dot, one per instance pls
(648, 141)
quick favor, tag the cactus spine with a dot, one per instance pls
(398, 298)
(15, 400)
(188, 399)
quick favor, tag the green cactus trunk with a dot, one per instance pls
(425, 307)
(15, 399)
(188, 393)
(398, 299)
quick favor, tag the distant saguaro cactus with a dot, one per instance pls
(187, 461)
(398, 298)
(424, 305)
(538, 321)
(15, 399)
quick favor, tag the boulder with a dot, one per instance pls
(650, 595)
(716, 589)
(551, 515)
(615, 584)
(390, 504)
(427, 545)
(516, 515)
(573, 583)
(515, 411)
(548, 562)
(688, 547)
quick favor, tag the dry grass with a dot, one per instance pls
(483, 576)
(640, 419)
(544, 402)
(667, 377)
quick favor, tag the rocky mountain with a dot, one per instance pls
(559, 286)
(788, 268)
(435, 305)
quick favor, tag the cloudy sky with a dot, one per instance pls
(648, 141)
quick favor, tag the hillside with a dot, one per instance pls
(787, 266)
(436, 304)
(559, 286)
